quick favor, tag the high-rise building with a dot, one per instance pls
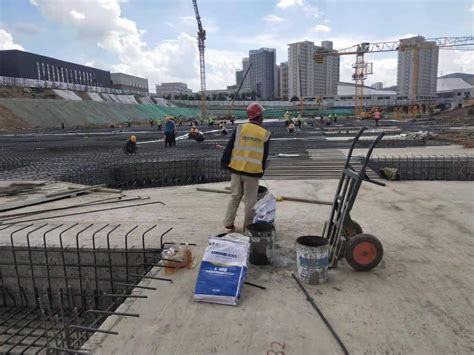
(306, 77)
(278, 82)
(245, 66)
(263, 72)
(426, 75)
(284, 81)
(329, 70)
(239, 76)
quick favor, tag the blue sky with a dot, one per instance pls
(156, 38)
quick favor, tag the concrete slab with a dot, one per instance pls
(419, 299)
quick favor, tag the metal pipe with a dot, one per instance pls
(86, 212)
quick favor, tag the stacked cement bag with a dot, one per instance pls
(223, 269)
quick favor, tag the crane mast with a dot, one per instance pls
(201, 36)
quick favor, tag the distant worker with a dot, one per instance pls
(195, 134)
(130, 146)
(245, 156)
(170, 132)
(180, 121)
(299, 121)
(286, 117)
(291, 128)
(151, 122)
(222, 128)
(210, 122)
(335, 117)
(129, 123)
(377, 117)
(232, 120)
(159, 124)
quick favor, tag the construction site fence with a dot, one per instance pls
(138, 173)
(437, 167)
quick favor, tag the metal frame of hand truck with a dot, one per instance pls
(346, 238)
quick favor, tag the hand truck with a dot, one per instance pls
(346, 239)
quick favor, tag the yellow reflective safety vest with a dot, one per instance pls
(248, 151)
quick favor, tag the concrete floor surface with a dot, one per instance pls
(418, 300)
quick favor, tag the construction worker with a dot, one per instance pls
(377, 116)
(159, 124)
(151, 122)
(130, 146)
(291, 128)
(222, 128)
(335, 117)
(195, 134)
(170, 132)
(245, 156)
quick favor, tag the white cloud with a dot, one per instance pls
(455, 61)
(171, 60)
(273, 19)
(283, 4)
(76, 15)
(6, 41)
(471, 8)
(322, 28)
(27, 28)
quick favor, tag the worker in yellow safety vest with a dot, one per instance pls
(245, 156)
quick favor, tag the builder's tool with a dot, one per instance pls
(278, 198)
(362, 251)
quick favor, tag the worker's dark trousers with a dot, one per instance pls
(170, 139)
(376, 122)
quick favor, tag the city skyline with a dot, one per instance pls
(156, 40)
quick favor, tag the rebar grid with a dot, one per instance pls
(435, 167)
(58, 283)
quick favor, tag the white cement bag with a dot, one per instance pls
(223, 269)
(265, 209)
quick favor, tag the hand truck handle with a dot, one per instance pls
(354, 141)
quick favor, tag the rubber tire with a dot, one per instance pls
(351, 229)
(356, 240)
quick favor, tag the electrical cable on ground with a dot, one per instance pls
(311, 300)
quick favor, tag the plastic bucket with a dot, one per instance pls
(262, 236)
(262, 191)
(312, 259)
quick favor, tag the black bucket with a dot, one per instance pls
(262, 191)
(262, 237)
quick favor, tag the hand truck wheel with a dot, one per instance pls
(363, 252)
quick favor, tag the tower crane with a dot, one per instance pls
(362, 68)
(201, 36)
